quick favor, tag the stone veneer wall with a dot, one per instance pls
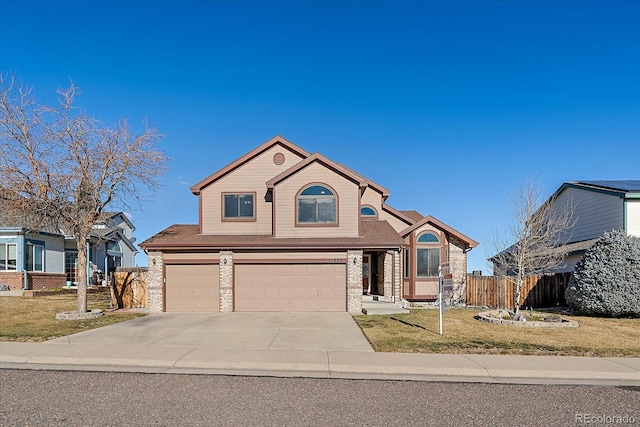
(388, 275)
(154, 282)
(458, 264)
(354, 282)
(226, 281)
(397, 276)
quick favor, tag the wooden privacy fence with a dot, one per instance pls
(129, 287)
(499, 292)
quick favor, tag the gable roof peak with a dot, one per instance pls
(319, 158)
(441, 225)
(197, 188)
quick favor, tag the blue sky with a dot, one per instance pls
(452, 105)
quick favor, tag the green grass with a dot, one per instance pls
(33, 319)
(417, 332)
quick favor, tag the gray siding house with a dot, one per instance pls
(598, 206)
(48, 258)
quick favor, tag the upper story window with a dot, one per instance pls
(34, 257)
(368, 212)
(8, 256)
(317, 205)
(238, 206)
(428, 238)
(114, 247)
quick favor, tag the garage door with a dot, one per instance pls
(290, 287)
(192, 287)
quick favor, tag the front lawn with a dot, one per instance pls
(33, 319)
(417, 332)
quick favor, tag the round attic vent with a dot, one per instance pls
(278, 158)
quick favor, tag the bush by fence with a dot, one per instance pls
(499, 292)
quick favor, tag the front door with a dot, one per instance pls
(366, 274)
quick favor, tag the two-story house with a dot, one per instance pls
(596, 206)
(281, 229)
(47, 258)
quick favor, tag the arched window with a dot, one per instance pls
(428, 255)
(114, 246)
(317, 205)
(428, 238)
(368, 212)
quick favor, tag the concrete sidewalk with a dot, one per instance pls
(291, 345)
(321, 363)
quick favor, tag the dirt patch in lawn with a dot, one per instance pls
(417, 332)
(34, 319)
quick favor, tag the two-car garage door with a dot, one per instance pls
(290, 287)
(258, 287)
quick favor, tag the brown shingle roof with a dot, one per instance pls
(375, 234)
(414, 215)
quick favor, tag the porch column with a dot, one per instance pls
(354, 281)
(397, 276)
(226, 281)
(388, 276)
(155, 282)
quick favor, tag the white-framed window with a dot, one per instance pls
(8, 256)
(317, 204)
(239, 206)
(114, 246)
(71, 265)
(34, 257)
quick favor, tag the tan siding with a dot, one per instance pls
(633, 217)
(202, 256)
(348, 204)
(250, 177)
(426, 288)
(594, 213)
(283, 256)
(372, 198)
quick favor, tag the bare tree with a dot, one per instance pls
(61, 168)
(535, 239)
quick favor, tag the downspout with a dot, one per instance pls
(25, 280)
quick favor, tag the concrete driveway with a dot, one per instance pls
(270, 331)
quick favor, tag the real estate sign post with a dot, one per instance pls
(445, 288)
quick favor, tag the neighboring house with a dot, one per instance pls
(48, 258)
(281, 229)
(598, 206)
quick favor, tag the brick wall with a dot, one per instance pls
(36, 280)
(458, 264)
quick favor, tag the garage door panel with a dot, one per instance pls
(290, 287)
(192, 288)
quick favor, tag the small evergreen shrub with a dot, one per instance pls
(606, 281)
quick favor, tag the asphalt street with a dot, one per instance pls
(64, 398)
